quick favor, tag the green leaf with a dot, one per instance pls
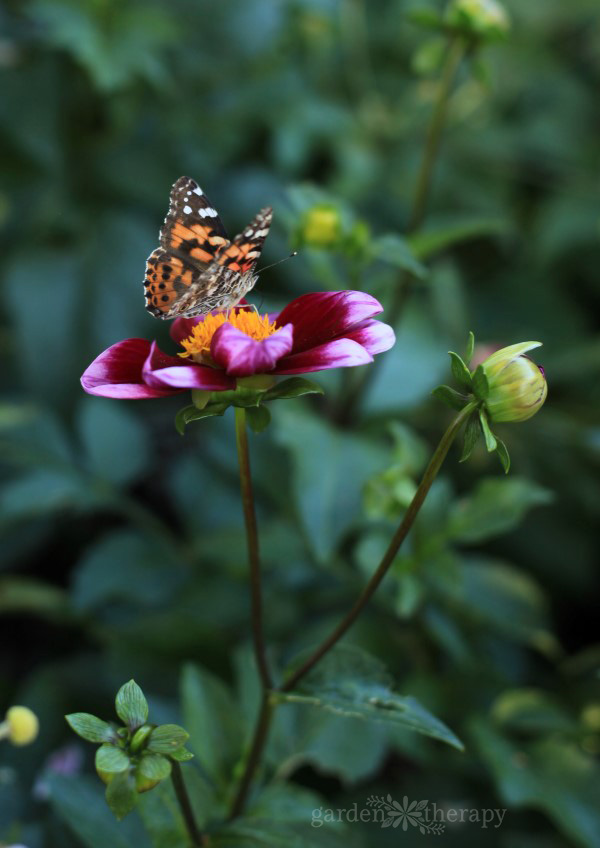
(460, 372)
(162, 818)
(121, 795)
(429, 242)
(80, 803)
(531, 711)
(192, 413)
(213, 719)
(480, 383)
(495, 507)
(111, 759)
(114, 439)
(503, 454)
(490, 439)
(551, 775)
(292, 388)
(329, 468)
(450, 397)
(167, 738)
(349, 682)
(472, 434)
(470, 347)
(395, 250)
(131, 705)
(181, 755)
(154, 766)
(90, 728)
(34, 597)
(258, 418)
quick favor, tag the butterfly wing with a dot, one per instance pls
(190, 239)
(243, 252)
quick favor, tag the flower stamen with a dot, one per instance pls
(254, 325)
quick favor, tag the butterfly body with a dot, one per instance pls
(197, 268)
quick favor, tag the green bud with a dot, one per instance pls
(140, 737)
(478, 18)
(517, 387)
(321, 226)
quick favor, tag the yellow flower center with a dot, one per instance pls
(257, 327)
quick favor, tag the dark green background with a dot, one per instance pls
(122, 546)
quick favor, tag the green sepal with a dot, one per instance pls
(121, 794)
(91, 728)
(241, 396)
(470, 347)
(490, 439)
(111, 760)
(460, 371)
(450, 397)
(192, 413)
(503, 454)
(294, 387)
(258, 418)
(181, 755)
(140, 737)
(167, 738)
(472, 433)
(480, 383)
(131, 705)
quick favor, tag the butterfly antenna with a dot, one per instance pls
(279, 261)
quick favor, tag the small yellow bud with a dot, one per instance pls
(484, 18)
(321, 226)
(22, 725)
(517, 386)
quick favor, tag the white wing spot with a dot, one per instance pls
(207, 213)
(187, 210)
(260, 233)
(198, 191)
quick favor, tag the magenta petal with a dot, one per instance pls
(340, 353)
(161, 371)
(322, 316)
(242, 356)
(374, 336)
(181, 328)
(117, 372)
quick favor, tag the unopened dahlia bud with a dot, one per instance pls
(20, 726)
(321, 226)
(479, 18)
(516, 386)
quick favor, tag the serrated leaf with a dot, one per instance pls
(503, 454)
(167, 738)
(349, 682)
(490, 439)
(472, 433)
(480, 383)
(450, 397)
(192, 413)
(154, 766)
(470, 347)
(90, 728)
(258, 418)
(111, 759)
(131, 705)
(294, 387)
(121, 795)
(460, 372)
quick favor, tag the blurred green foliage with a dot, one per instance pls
(122, 544)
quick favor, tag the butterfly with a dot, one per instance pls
(196, 268)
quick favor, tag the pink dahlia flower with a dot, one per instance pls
(312, 333)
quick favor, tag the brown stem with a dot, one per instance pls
(198, 839)
(259, 740)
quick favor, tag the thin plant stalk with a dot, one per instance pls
(241, 438)
(198, 839)
(270, 697)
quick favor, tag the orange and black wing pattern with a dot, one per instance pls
(243, 252)
(190, 238)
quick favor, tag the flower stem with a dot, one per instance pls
(404, 285)
(261, 732)
(198, 839)
(388, 558)
(241, 438)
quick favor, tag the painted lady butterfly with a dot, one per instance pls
(196, 268)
